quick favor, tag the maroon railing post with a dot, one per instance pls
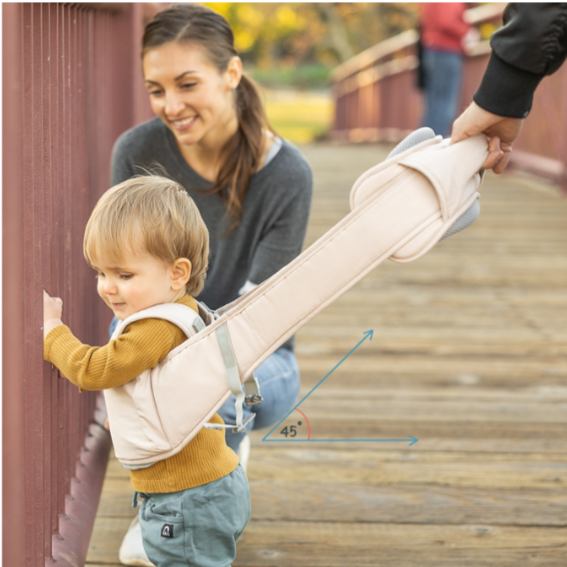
(563, 131)
(72, 83)
(13, 438)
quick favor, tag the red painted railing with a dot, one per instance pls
(377, 99)
(71, 84)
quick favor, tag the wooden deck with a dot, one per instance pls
(469, 355)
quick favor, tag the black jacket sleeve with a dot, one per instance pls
(531, 44)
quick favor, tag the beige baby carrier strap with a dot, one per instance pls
(400, 210)
(134, 414)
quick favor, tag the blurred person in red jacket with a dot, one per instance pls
(443, 35)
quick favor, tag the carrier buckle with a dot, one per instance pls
(252, 391)
(242, 428)
(254, 399)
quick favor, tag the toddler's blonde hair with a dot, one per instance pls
(154, 212)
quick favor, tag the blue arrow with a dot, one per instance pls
(410, 438)
(367, 334)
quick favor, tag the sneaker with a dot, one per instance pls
(132, 550)
(244, 452)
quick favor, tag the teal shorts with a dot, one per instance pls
(198, 526)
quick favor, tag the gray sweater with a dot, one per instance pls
(275, 213)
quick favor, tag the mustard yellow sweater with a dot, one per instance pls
(142, 345)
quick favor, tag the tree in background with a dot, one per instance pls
(291, 48)
(288, 37)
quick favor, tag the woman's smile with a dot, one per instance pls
(183, 123)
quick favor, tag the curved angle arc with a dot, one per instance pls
(308, 426)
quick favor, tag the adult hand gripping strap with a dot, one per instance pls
(400, 209)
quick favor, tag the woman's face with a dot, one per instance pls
(190, 95)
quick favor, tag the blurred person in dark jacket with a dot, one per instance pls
(531, 44)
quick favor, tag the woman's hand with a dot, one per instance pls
(500, 130)
(52, 312)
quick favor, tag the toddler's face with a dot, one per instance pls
(140, 281)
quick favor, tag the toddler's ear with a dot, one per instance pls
(180, 273)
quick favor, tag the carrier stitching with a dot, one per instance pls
(355, 214)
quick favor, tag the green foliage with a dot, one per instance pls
(295, 46)
(310, 76)
(312, 33)
(299, 116)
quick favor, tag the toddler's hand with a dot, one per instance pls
(52, 307)
(52, 312)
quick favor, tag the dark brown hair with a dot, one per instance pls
(201, 26)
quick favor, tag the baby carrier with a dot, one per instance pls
(399, 210)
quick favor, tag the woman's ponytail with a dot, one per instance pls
(242, 153)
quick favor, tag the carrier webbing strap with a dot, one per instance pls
(198, 324)
(187, 319)
(233, 379)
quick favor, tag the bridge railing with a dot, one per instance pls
(377, 99)
(71, 84)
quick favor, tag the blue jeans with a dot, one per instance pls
(443, 72)
(278, 377)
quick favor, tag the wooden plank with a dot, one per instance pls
(117, 499)
(543, 382)
(449, 435)
(330, 544)
(362, 465)
(442, 344)
(423, 503)
(372, 408)
(116, 470)
(522, 478)
(490, 371)
(547, 407)
(106, 539)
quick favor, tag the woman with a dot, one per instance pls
(252, 188)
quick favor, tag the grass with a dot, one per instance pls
(306, 77)
(299, 116)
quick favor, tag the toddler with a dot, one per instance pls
(149, 246)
